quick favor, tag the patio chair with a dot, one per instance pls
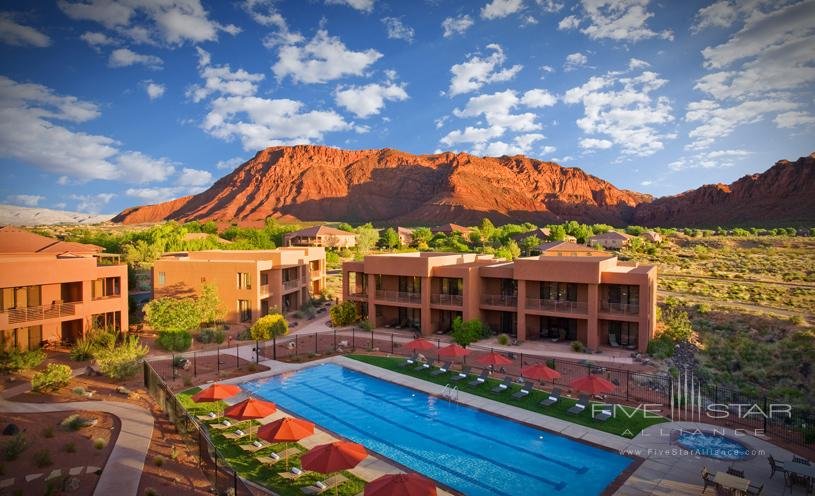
(422, 366)
(503, 386)
(707, 478)
(737, 473)
(581, 405)
(525, 391)
(273, 458)
(481, 379)
(755, 490)
(604, 413)
(411, 360)
(235, 435)
(255, 445)
(320, 487)
(208, 417)
(293, 473)
(461, 375)
(224, 424)
(553, 398)
(442, 370)
(612, 341)
(775, 465)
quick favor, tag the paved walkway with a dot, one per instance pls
(122, 472)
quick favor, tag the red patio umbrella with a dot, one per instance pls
(216, 392)
(419, 345)
(493, 358)
(401, 485)
(540, 372)
(453, 351)
(592, 384)
(285, 430)
(250, 409)
(333, 457)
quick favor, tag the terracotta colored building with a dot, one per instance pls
(566, 293)
(250, 283)
(613, 240)
(324, 236)
(52, 290)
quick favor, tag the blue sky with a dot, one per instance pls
(112, 103)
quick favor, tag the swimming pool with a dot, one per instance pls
(713, 445)
(468, 450)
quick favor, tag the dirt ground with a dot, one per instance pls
(43, 434)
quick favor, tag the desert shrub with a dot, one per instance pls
(73, 422)
(174, 340)
(12, 448)
(366, 325)
(42, 458)
(343, 314)
(99, 443)
(661, 347)
(244, 335)
(14, 360)
(158, 460)
(48, 432)
(469, 331)
(503, 339)
(70, 447)
(52, 378)
(211, 335)
(150, 492)
(577, 346)
(268, 326)
(797, 320)
(122, 361)
(82, 350)
(79, 391)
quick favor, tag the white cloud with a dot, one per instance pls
(157, 194)
(718, 122)
(528, 21)
(456, 25)
(546, 150)
(368, 100)
(710, 160)
(569, 22)
(619, 20)
(724, 13)
(361, 5)
(229, 164)
(13, 33)
(594, 143)
(194, 177)
(96, 40)
(497, 9)
(550, 6)
(793, 119)
(496, 109)
(634, 64)
(322, 59)
(92, 204)
(476, 71)
(25, 200)
(154, 90)
(538, 98)
(222, 79)
(397, 30)
(150, 21)
(575, 61)
(646, 183)
(136, 167)
(124, 57)
(472, 135)
(265, 13)
(623, 111)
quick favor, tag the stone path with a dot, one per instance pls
(74, 471)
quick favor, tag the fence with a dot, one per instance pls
(224, 479)
(213, 363)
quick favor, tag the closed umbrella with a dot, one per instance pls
(540, 372)
(250, 409)
(401, 485)
(333, 457)
(592, 384)
(286, 430)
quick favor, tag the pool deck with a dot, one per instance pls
(663, 470)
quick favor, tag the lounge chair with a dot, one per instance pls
(500, 388)
(255, 445)
(442, 370)
(481, 379)
(612, 341)
(208, 417)
(273, 458)
(581, 405)
(604, 413)
(755, 489)
(411, 360)
(422, 366)
(235, 435)
(734, 472)
(775, 465)
(224, 424)
(461, 375)
(293, 473)
(321, 487)
(798, 459)
(525, 391)
(553, 398)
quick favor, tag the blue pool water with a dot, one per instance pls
(713, 446)
(468, 450)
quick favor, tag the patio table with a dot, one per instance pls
(802, 470)
(731, 481)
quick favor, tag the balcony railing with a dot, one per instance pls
(563, 306)
(623, 308)
(399, 296)
(29, 314)
(359, 295)
(498, 300)
(291, 284)
(316, 273)
(447, 299)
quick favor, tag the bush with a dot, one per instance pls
(577, 346)
(70, 447)
(174, 340)
(79, 391)
(15, 360)
(661, 347)
(470, 331)
(366, 325)
(48, 432)
(268, 326)
(42, 458)
(244, 335)
(211, 335)
(122, 361)
(12, 448)
(99, 443)
(150, 492)
(74, 422)
(52, 378)
(158, 460)
(343, 314)
(503, 339)
(82, 350)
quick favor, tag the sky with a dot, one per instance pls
(106, 104)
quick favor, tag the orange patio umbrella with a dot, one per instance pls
(333, 457)
(493, 358)
(401, 485)
(592, 384)
(419, 345)
(540, 372)
(216, 392)
(285, 430)
(453, 351)
(250, 409)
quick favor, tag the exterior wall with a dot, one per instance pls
(66, 299)
(327, 241)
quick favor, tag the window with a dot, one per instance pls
(264, 278)
(109, 320)
(8, 299)
(162, 278)
(244, 311)
(105, 287)
(559, 291)
(243, 280)
(410, 284)
(625, 332)
(452, 285)
(625, 294)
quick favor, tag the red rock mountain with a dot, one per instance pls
(317, 183)
(389, 186)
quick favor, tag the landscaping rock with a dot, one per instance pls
(11, 430)
(71, 484)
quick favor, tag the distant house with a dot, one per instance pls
(613, 240)
(541, 233)
(570, 238)
(327, 237)
(451, 228)
(562, 246)
(405, 235)
(652, 236)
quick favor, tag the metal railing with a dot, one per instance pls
(623, 308)
(447, 299)
(43, 312)
(498, 300)
(291, 284)
(361, 295)
(564, 306)
(399, 296)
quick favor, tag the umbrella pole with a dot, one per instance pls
(286, 447)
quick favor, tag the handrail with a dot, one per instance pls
(399, 296)
(42, 312)
(499, 300)
(565, 306)
(624, 308)
(447, 299)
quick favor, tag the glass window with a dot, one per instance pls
(264, 278)
(244, 310)
(243, 280)
(162, 278)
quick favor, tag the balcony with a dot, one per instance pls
(399, 296)
(265, 289)
(619, 308)
(447, 299)
(361, 295)
(44, 312)
(292, 284)
(315, 274)
(562, 306)
(498, 300)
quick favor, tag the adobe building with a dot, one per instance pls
(325, 236)
(250, 283)
(56, 291)
(612, 240)
(567, 293)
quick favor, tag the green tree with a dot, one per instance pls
(677, 325)
(343, 314)
(344, 226)
(269, 326)
(172, 314)
(487, 229)
(141, 252)
(122, 361)
(557, 232)
(367, 237)
(209, 304)
(389, 238)
(510, 251)
(467, 332)
(528, 244)
(421, 237)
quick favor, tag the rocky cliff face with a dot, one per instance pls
(393, 187)
(782, 195)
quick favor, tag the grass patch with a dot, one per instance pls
(619, 425)
(249, 468)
